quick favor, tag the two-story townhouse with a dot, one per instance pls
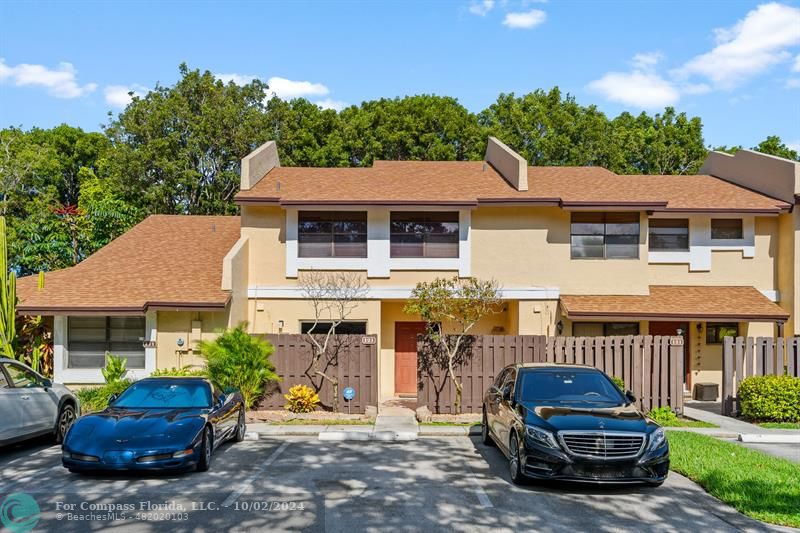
(577, 251)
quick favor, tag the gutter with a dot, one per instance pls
(686, 316)
(122, 310)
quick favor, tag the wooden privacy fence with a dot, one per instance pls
(651, 366)
(357, 368)
(743, 357)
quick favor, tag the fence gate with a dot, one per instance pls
(743, 357)
(651, 366)
(357, 368)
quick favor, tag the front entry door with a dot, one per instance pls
(405, 356)
(671, 329)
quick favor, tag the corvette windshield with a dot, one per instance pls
(165, 395)
(568, 387)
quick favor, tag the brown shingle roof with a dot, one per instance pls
(676, 301)
(164, 261)
(473, 182)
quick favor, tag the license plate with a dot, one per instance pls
(118, 457)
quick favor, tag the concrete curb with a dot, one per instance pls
(383, 436)
(769, 438)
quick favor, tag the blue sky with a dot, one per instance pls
(734, 63)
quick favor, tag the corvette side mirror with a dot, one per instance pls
(629, 395)
(112, 398)
(221, 400)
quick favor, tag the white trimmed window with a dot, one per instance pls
(90, 338)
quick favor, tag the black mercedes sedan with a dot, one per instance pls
(572, 423)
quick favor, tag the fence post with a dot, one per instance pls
(727, 376)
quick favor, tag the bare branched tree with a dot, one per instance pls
(451, 307)
(333, 296)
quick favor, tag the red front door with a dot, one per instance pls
(405, 356)
(671, 329)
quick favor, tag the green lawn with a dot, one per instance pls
(687, 423)
(761, 486)
(780, 425)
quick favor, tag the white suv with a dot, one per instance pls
(33, 405)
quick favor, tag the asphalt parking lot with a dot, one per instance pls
(281, 484)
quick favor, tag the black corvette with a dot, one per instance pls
(166, 423)
(571, 422)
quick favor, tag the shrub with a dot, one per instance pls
(185, 371)
(237, 360)
(301, 399)
(115, 368)
(95, 399)
(770, 398)
(664, 416)
(618, 382)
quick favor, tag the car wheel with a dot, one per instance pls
(241, 427)
(515, 461)
(205, 451)
(65, 419)
(485, 437)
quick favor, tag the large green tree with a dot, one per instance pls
(178, 149)
(423, 127)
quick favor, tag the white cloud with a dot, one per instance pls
(288, 89)
(642, 89)
(60, 82)
(750, 47)
(646, 61)
(481, 8)
(118, 95)
(238, 79)
(792, 83)
(329, 103)
(526, 19)
(695, 88)
(796, 66)
(795, 145)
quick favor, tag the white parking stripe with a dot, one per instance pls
(249, 481)
(483, 498)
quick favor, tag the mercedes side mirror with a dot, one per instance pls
(629, 395)
(112, 398)
(46, 383)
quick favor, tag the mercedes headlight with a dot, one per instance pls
(657, 438)
(541, 436)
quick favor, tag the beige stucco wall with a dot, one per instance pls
(730, 267)
(178, 325)
(788, 271)
(530, 246)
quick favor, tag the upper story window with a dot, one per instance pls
(332, 234)
(424, 234)
(90, 338)
(605, 235)
(726, 228)
(669, 234)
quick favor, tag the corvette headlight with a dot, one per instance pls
(541, 436)
(657, 438)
